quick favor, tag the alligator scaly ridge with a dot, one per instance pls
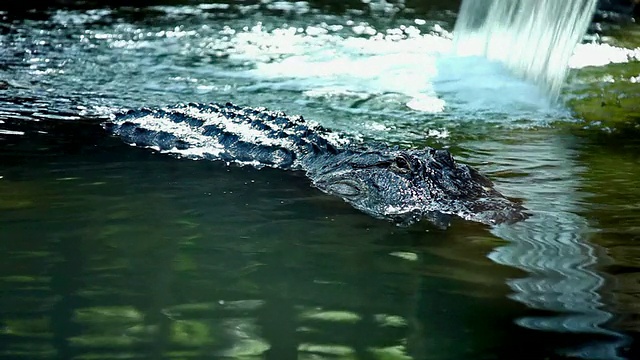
(403, 186)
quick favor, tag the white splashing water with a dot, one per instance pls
(390, 68)
(533, 38)
(408, 67)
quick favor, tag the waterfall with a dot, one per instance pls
(533, 38)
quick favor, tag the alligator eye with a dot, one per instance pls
(402, 164)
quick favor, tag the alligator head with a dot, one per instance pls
(407, 186)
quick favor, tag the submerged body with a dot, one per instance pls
(403, 186)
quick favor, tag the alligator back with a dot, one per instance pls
(230, 133)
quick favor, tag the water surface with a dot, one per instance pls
(112, 251)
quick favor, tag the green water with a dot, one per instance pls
(109, 251)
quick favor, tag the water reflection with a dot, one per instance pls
(562, 264)
(137, 254)
(554, 248)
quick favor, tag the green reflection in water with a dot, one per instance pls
(147, 264)
(613, 180)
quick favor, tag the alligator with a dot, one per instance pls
(386, 182)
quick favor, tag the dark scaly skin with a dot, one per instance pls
(403, 186)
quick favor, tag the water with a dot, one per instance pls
(112, 251)
(533, 38)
